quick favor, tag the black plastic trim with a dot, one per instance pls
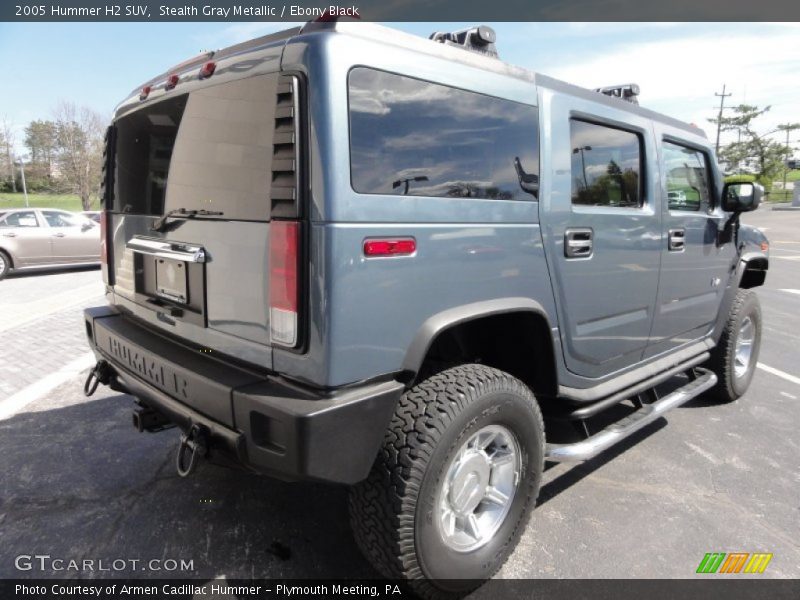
(431, 328)
(267, 423)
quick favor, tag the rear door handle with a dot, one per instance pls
(578, 242)
(58, 235)
(677, 240)
(10, 234)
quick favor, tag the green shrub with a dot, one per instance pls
(740, 179)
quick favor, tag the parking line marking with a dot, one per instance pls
(779, 373)
(790, 291)
(16, 402)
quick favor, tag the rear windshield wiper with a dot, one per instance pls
(160, 223)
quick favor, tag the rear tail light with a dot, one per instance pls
(284, 240)
(104, 237)
(105, 219)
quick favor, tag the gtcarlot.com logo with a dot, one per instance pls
(48, 563)
(734, 562)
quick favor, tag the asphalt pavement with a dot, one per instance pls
(77, 482)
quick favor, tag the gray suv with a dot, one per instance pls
(346, 254)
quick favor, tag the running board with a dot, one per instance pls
(594, 445)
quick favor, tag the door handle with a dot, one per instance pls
(58, 235)
(10, 234)
(677, 240)
(578, 242)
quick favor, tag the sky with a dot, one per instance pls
(678, 66)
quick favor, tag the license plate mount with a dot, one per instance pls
(171, 280)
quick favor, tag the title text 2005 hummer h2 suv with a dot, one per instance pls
(346, 254)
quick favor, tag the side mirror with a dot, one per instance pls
(87, 226)
(741, 197)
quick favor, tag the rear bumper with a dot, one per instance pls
(265, 423)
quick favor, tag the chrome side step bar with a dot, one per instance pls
(597, 443)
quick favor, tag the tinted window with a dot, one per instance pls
(688, 186)
(20, 219)
(210, 149)
(145, 140)
(422, 139)
(606, 164)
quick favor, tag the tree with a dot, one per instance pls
(79, 149)
(768, 155)
(41, 138)
(7, 148)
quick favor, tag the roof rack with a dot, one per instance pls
(627, 91)
(479, 39)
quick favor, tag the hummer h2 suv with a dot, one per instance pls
(342, 253)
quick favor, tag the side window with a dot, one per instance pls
(687, 178)
(20, 219)
(606, 166)
(417, 138)
(58, 219)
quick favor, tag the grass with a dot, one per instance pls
(794, 175)
(62, 201)
(779, 196)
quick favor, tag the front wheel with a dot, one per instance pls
(454, 482)
(735, 357)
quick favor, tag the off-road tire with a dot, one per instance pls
(7, 264)
(392, 511)
(722, 362)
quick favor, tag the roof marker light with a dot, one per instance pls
(207, 70)
(145, 92)
(172, 81)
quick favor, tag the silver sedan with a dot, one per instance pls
(44, 237)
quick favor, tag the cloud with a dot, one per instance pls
(679, 76)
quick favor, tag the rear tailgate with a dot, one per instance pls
(219, 161)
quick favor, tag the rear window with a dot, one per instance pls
(210, 149)
(416, 138)
(20, 219)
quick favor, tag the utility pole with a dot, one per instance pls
(788, 128)
(21, 164)
(721, 97)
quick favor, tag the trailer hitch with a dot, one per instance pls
(100, 373)
(195, 442)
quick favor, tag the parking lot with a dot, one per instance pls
(77, 482)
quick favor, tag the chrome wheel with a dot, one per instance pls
(3, 264)
(479, 487)
(744, 347)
